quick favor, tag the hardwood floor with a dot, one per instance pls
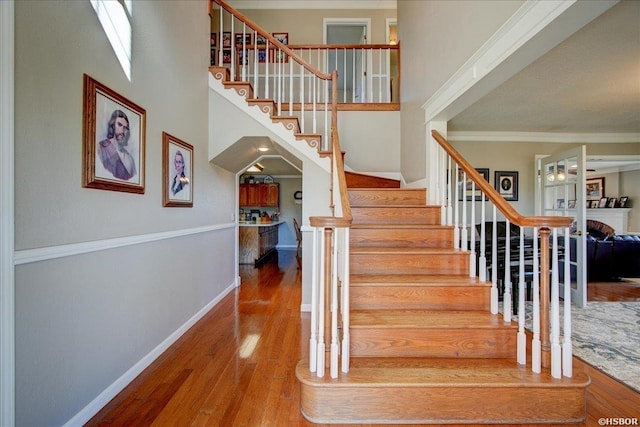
(236, 366)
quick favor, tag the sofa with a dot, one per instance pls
(611, 256)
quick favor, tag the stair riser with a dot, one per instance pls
(387, 197)
(396, 215)
(402, 238)
(431, 264)
(356, 180)
(442, 405)
(433, 342)
(420, 298)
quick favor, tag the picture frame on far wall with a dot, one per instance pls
(603, 202)
(595, 188)
(177, 172)
(506, 183)
(622, 203)
(469, 187)
(278, 55)
(113, 139)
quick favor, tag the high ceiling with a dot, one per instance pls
(590, 83)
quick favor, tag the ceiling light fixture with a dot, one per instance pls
(257, 168)
(263, 149)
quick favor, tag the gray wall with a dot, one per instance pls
(83, 320)
(437, 37)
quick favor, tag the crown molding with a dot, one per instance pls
(567, 138)
(313, 4)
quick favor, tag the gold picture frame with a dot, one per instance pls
(113, 136)
(177, 172)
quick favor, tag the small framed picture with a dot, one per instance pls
(593, 204)
(177, 172)
(595, 188)
(243, 39)
(214, 38)
(506, 183)
(560, 203)
(113, 140)
(603, 202)
(261, 40)
(262, 56)
(214, 57)
(226, 56)
(611, 203)
(622, 203)
(226, 40)
(571, 204)
(277, 54)
(469, 186)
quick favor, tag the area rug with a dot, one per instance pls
(606, 335)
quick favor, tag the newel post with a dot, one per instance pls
(544, 297)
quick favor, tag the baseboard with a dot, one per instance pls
(117, 386)
(305, 308)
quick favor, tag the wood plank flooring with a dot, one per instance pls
(236, 366)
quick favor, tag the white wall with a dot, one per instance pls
(628, 186)
(142, 272)
(436, 38)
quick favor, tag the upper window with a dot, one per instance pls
(115, 17)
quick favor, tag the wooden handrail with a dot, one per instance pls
(503, 206)
(344, 46)
(273, 40)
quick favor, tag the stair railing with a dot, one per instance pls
(459, 182)
(318, 96)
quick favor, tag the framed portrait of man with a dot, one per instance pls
(177, 172)
(113, 140)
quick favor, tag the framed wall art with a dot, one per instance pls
(506, 183)
(177, 172)
(113, 139)
(595, 188)
(277, 54)
(469, 188)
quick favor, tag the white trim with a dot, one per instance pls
(7, 227)
(118, 385)
(52, 252)
(528, 21)
(305, 308)
(365, 22)
(544, 137)
(312, 4)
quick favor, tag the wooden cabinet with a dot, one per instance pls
(259, 195)
(257, 242)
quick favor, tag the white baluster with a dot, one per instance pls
(556, 357)
(506, 297)
(346, 306)
(494, 263)
(483, 241)
(243, 58)
(472, 230)
(290, 87)
(567, 350)
(380, 75)
(353, 76)
(449, 180)
(302, 97)
(233, 51)
(456, 229)
(321, 345)
(313, 339)
(334, 306)
(464, 244)
(522, 338)
(536, 348)
(327, 131)
(267, 65)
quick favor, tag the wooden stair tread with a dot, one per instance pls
(438, 372)
(400, 226)
(394, 206)
(406, 251)
(414, 280)
(426, 319)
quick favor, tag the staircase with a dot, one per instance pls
(424, 346)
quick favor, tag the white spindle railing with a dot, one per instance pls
(528, 252)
